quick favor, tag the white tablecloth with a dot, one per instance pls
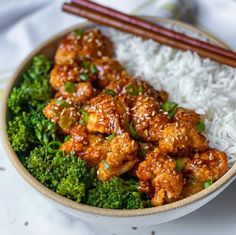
(26, 23)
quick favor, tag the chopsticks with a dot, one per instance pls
(137, 26)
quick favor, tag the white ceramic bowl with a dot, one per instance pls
(110, 217)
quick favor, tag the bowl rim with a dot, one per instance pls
(229, 176)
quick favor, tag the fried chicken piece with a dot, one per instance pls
(130, 88)
(107, 114)
(91, 147)
(120, 84)
(97, 149)
(121, 157)
(181, 138)
(148, 122)
(77, 142)
(187, 115)
(211, 164)
(159, 178)
(83, 45)
(67, 51)
(62, 112)
(73, 73)
(192, 187)
(157, 125)
(82, 92)
(107, 70)
(61, 74)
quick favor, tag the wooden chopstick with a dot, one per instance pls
(117, 23)
(153, 27)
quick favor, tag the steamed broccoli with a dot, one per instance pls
(34, 90)
(66, 175)
(36, 140)
(31, 129)
(117, 194)
(28, 127)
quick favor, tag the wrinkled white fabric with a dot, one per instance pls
(24, 25)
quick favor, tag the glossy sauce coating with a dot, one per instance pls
(121, 124)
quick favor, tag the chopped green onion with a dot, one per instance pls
(62, 103)
(140, 89)
(110, 92)
(93, 68)
(81, 121)
(85, 115)
(69, 87)
(86, 64)
(133, 89)
(133, 132)
(179, 165)
(208, 183)
(68, 137)
(111, 137)
(200, 126)
(143, 152)
(170, 108)
(106, 165)
(53, 146)
(55, 111)
(79, 32)
(84, 77)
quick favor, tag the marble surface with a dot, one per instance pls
(23, 211)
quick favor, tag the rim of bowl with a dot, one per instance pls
(229, 176)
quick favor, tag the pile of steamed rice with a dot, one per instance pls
(200, 84)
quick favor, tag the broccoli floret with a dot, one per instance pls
(44, 130)
(66, 175)
(31, 129)
(117, 194)
(34, 91)
(18, 133)
(35, 139)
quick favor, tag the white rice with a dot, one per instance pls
(192, 82)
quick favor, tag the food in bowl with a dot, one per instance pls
(90, 131)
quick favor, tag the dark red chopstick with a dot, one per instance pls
(155, 28)
(104, 19)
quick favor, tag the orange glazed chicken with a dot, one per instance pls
(124, 127)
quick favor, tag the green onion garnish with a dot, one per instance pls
(85, 115)
(85, 64)
(84, 77)
(79, 32)
(106, 165)
(143, 152)
(68, 137)
(170, 108)
(69, 87)
(110, 92)
(200, 126)
(208, 183)
(93, 68)
(179, 165)
(133, 89)
(55, 111)
(62, 103)
(81, 121)
(133, 132)
(110, 137)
